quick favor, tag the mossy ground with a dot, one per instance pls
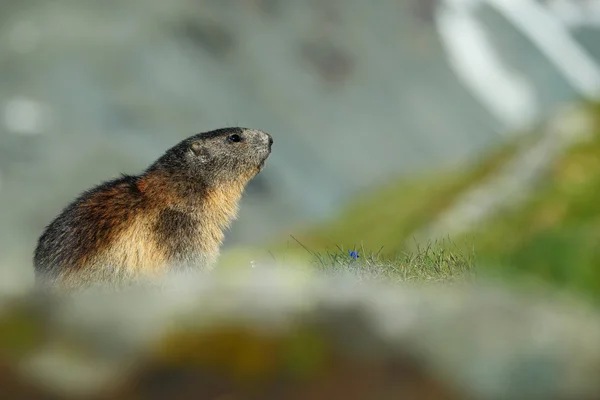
(384, 220)
(554, 236)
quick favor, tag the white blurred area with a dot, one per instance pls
(575, 13)
(505, 92)
(24, 116)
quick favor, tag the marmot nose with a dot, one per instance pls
(270, 141)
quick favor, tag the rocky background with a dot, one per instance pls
(355, 95)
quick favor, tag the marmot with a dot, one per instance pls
(171, 216)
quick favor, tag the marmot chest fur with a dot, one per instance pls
(172, 215)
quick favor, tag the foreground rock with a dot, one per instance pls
(272, 334)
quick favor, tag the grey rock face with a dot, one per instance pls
(353, 94)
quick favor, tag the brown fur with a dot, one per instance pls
(172, 216)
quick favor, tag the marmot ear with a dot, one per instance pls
(196, 147)
(200, 151)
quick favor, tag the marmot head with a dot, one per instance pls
(219, 156)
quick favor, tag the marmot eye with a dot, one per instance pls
(235, 138)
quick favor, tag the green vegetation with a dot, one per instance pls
(435, 262)
(431, 263)
(389, 216)
(554, 235)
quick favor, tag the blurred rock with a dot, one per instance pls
(268, 333)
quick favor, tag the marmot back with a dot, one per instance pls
(171, 216)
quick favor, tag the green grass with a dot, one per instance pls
(554, 236)
(436, 262)
(388, 216)
(430, 263)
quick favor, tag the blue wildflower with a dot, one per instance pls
(353, 254)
